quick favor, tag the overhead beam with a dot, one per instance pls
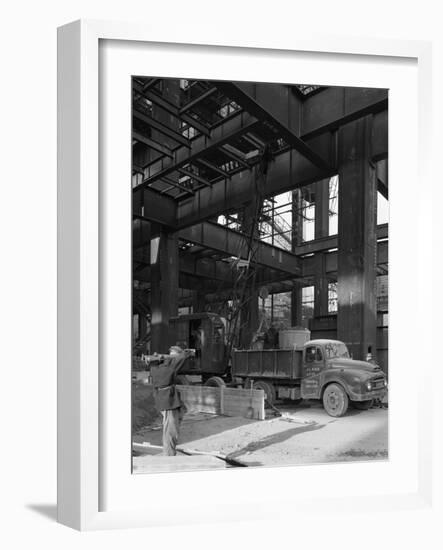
(169, 107)
(198, 100)
(234, 155)
(276, 105)
(213, 167)
(309, 265)
(327, 243)
(187, 300)
(196, 177)
(332, 107)
(156, 207)
(216, 276)
(150, 83)
(211, 273)
(216, 238)
(177, 185)
(153, 144)
(232, 243)
(160, 127)
(231, 129)
(288, 171)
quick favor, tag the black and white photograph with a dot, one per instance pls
(260, 274)
(221, 275)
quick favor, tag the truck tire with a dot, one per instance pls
(215, 382)
(362, 405)
(270, 394)
(335, 400)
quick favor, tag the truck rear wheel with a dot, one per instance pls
(270, 394)
(335, 400)
(215, 382)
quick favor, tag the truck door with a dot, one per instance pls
(313, 364)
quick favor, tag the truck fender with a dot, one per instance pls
(339, 382)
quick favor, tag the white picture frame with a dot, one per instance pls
(90, 398)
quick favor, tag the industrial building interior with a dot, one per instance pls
(264, 203)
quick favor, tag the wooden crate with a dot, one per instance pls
(223, 400)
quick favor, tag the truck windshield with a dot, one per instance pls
(336, 349)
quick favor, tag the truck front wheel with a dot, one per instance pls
(335, 400)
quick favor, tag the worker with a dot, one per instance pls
(167, 397)
(271, 338)
(197, 339)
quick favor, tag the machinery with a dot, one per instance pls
(206, 334)
(313, 369)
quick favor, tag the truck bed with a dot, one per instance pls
(283, 364)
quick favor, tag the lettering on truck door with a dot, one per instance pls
(312, 368)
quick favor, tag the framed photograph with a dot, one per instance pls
(232, 298)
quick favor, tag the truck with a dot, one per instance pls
(319, 369)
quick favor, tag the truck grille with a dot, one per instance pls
(378, 383)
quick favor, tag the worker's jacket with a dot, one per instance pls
(163, 375)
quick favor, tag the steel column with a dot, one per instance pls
(357, 242)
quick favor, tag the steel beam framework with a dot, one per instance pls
(289, 170)
(276, 105)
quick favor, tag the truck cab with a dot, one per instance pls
(205, 333)
(329, 374)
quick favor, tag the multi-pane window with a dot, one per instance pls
(307, 302)
(382, 293)
(308, 214)
(333, 205)
(332, 297)
(276, 221)
(276, 309)
(304, 213)
(282, 309)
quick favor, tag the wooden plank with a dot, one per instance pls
(227, 401)
(149, 449)
(156, 464)
(201, 398)
(235, 401)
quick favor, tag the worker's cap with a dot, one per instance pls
(175, 349)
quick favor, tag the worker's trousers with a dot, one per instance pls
(171, 427)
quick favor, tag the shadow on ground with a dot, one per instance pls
(48, 511)
(275, 438)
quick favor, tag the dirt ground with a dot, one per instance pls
(303, 434)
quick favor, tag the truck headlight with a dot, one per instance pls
(368, 385)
